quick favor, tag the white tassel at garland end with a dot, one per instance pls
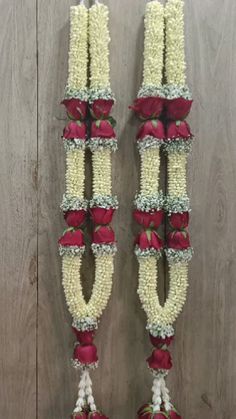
(85, 394)
(160, 395)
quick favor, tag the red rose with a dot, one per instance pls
(179, 220)
(75, 130)
(174, 415)
(79, 415)
(160, 360)
(101, 216)
(148, 107)
(85, 354)
(103, 234)
(72, 238)
(103, 129)
(75, 218)
(154, 128)
(146, 412)
(84, 337)
(178, 240)
(177, 109)
(178, 129)
(76, 108)
(101, 108)
(149, 219)
(149, 239)
(96, 415)
(158, 341)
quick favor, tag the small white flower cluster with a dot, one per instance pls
(147, 290)
(160, 395)
(85, 393)
(153, 44)
(99, 39)
(175, 65)
(78, 52)
(150, 171)
(75, 173)
(177, 181)
(102, 172)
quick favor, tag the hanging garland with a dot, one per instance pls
(163, 109)
(90, 125)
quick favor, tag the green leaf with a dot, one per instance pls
(149, 234)
(98, 122)
(154, 122)
(112, 121)
(79, 123)
(178, 123)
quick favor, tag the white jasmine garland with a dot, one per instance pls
(75, 173)
(78, 53)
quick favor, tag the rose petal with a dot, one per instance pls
(148, 107)
(179, 129)
(179, 220)
(158, 341)
(75, 218)
(178, 240)
(76, 108)
(85, 354)
(101, 108)
(160, 360)
(103, 234)
(84, 337)
(178, 108)
(72, 238)
(101, 216)
(149, 219)
(153, 128)
(74, 130)
(102, 129)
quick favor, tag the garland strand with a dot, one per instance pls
(88, 108)
(162, 110)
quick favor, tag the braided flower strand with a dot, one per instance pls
(163, 110)
(88, 106)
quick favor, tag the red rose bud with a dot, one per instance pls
(101, 216)
(75, 130)
(84, 337)
(75, 218)
(101, 108)
(158, 341)
(179, 220)
(160, 360)
(178, 129)
(72, 238)
(79, 415)
(149, 219)
(149, 239)
(174, 415)
(96, 415)
(85, 354)
(178, 240)
(76, 108)
(103, 234)
(148, 107)
(154, 128)
(103, 129)
(178, 108)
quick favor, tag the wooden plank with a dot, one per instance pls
(204, 376)
(18, 209)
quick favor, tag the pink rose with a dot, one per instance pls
(96, 415)
(76, 108)
(103, 129)
(149, 219)
(179, 220)
(153, 128)
(101, 108)
(75, 130)
(103, 234)
(101, 216)
(149, 239)
(72, 238)
(178, 240)
(84, 337)
(148, 107)
(178, 129)
(75, 218)
(85, 354)
(158, 341)
(160, 360)
(177, 109)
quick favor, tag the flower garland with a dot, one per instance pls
(163, 109)
(93, 129)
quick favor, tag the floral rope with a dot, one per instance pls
(162, 110)
(88, 107)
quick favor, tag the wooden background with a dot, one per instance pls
(36, 379)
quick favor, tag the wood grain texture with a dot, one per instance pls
(18, 209)
(35, 319)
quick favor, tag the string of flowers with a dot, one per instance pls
(170, 103)
(89, 126)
